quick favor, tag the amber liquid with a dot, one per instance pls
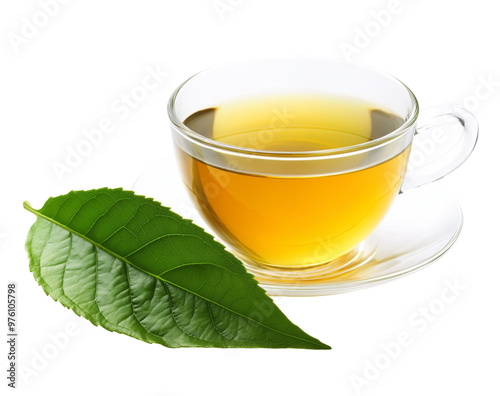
(293, 221)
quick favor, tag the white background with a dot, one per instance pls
(65, 79)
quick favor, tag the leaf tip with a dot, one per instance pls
(318, 345)
(325, 347)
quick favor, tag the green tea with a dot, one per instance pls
(293, 221)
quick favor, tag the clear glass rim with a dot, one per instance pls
(197, 138)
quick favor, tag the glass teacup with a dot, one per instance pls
(294, 162)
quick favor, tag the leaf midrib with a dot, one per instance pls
(29, 208)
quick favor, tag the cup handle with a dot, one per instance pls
(445, 137)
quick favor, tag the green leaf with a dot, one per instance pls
(130, 265)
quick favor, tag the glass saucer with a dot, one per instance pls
(421, 225)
